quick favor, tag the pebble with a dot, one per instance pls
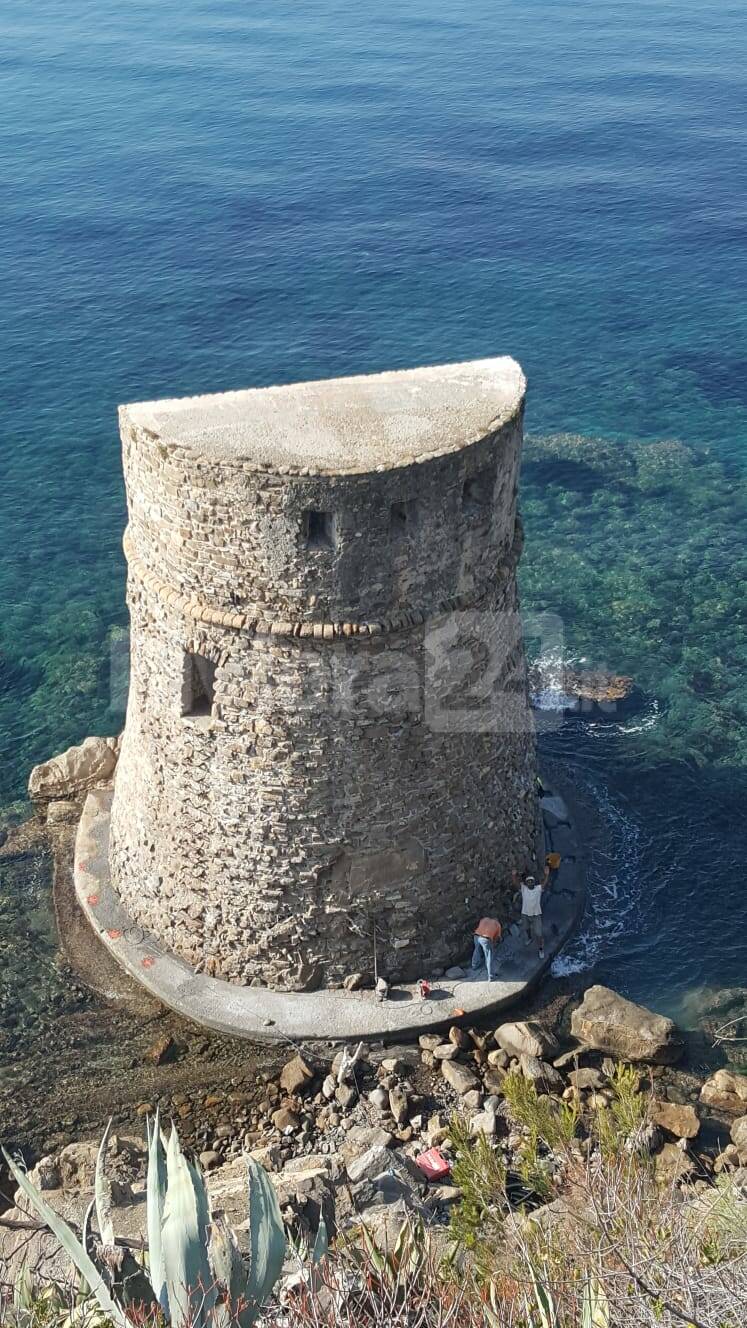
(398, 1104)
(445, 1051)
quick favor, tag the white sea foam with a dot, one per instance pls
(647, 720)
(614, 884)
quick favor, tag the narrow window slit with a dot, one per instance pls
(477, 494)
(198, 685)
(401, 519)
(319, 529)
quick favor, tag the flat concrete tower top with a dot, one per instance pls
(341, 425)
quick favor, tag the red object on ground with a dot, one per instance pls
(433, 1164)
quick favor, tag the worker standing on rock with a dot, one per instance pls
(487, 936)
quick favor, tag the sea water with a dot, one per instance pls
(203, 196)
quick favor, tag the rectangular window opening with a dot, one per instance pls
(319, 529)
(401, 519)
(477, 494)
(198, 688)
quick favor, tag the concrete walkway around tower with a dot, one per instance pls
(259, 1013)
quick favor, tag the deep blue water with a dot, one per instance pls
(207, 196)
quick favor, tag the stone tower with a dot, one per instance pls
(328, 753)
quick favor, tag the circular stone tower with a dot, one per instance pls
(328, 758)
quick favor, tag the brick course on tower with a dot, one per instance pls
(328, 749)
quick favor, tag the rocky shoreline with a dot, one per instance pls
(345, 1137)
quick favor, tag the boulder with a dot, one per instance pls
(586, 1077)
(285, 1119)
(739, 1137)
(429, 1041)
(361, 1138)
(677, 1119)
(545, 1078)
(459, 1038)
(526, 1038)
(445, 1051)
(306, 1196)
(493, 1080)
(460, 1077)
(572, 1057)
(726, 1091)
(346, 1096)
(74, 772)
(125, 1164)
(673, 1164)
(46, 1174)
(77, 1166)
(437, 1129)
(483, 1122)
(370, 1164)
(162, 1051)
(384, 1223)
(296, 1076)
(269, 1156)
(609, 1023)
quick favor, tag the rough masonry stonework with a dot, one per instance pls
(328, 760)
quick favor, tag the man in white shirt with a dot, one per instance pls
(531, 913)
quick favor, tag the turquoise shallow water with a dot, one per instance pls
(201, 197)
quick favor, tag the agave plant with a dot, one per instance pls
(197, 1276)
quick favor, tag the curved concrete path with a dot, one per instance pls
(257, 1012)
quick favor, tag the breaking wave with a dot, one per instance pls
(614, 883)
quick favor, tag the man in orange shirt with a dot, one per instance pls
(487, 935)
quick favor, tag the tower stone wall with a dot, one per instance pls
(328, 749)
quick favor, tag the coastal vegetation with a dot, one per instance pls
(586, 1225)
